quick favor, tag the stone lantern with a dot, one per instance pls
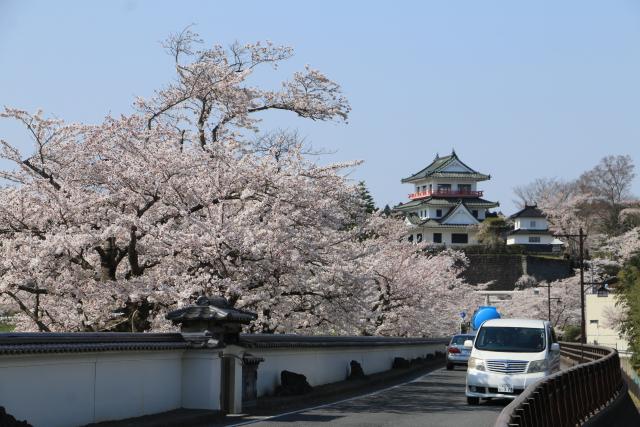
(212, 316)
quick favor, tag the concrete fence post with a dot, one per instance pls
(232, 379)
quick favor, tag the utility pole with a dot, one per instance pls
(583, 323)
(549, 300)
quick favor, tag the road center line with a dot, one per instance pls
(272, 417)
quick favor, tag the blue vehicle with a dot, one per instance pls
(481, 315)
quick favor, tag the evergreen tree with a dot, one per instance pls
(629, 291)
(490, 232)
(367, 200)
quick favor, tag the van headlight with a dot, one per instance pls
(537, 366)
(475, 363)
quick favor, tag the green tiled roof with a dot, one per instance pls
(446, 202)
(435, 170)
(476, 176)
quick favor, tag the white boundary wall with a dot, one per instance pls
(76, 388)
(327, 365)
(71, 389)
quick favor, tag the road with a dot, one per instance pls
(435, 399)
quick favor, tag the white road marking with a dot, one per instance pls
(271, 417)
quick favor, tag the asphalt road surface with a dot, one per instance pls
(435, 399)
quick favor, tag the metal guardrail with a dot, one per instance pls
(570, 397)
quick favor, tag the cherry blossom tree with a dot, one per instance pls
(106, 227)
(407, 288)
(531, 302)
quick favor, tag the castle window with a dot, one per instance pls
(444, 188)
(437, 237)
(419, 237)
(460, 238)
(438, 213)
(532, 224)
(534, 239)
(464, 187)
(474, 213)
(411, 237)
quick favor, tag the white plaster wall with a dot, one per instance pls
(595, 309)
(456, 166)
(523, 239)
(323, 366)
(427, 235)
(461, 216)
(434, 184)
(69, 389)
(432, 212)
(426, 212)
(525, 223)
(201, 371)
(48, 390)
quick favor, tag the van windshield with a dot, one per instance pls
(510, 339)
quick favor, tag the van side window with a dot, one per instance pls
(553, 335)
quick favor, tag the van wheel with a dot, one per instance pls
(473, 400)
(449, 366)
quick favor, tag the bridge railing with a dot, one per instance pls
(569, 397)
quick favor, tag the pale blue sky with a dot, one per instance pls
(521, 89)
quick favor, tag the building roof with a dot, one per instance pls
(459, 205)
(213, 308)
(436, 169)
(78, 342)
(529, 211)
(293, 341)
(442, 221)
(527, 231)
(443, 202)
(417, 221)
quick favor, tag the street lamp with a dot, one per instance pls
(548, 286)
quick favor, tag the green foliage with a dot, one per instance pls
(488, 250)
(571, 333)
(629, 292)
(464, 327)
(367, 200)
(6, 327)
(491, 230)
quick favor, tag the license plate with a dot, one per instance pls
(505, 389)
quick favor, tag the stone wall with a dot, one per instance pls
(547, 268)
(505, 269)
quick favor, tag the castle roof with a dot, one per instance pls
(446, 202)
(529, 211)
(545, 232)
(444, 220)
(447, 167)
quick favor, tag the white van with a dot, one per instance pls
(509, 354)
